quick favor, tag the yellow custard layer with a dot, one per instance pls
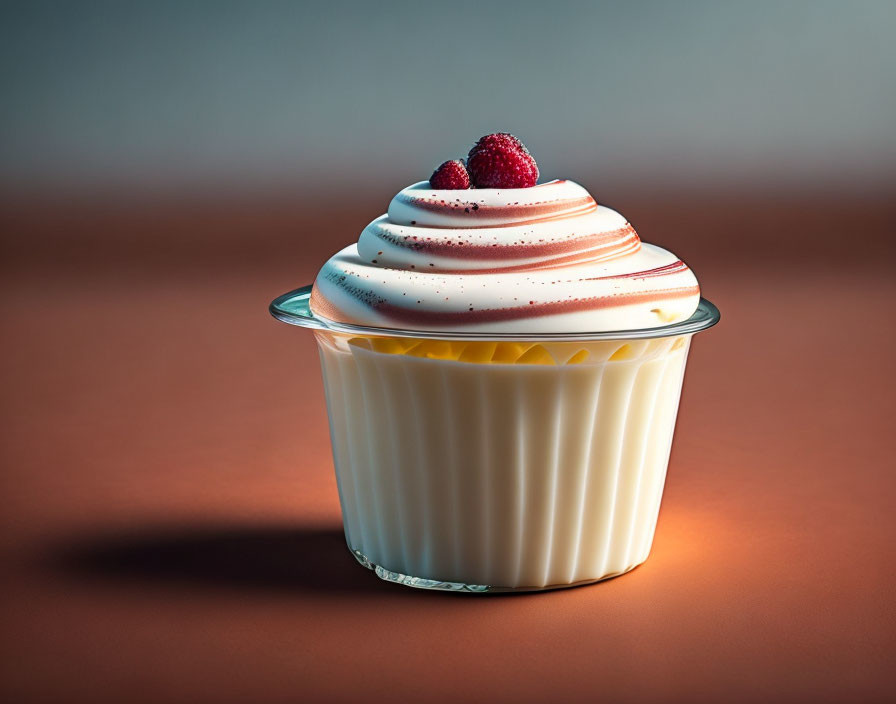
(487, 352)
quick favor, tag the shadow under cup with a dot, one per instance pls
(499, 462)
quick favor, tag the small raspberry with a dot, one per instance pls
(450, 176)
(501, 161)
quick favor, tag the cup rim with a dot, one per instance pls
(294, 308)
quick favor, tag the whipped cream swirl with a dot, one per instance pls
(546, 259)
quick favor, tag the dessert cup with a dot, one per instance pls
(499, 462)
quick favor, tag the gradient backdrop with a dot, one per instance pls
(170, 526)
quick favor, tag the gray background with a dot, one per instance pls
(268, 94)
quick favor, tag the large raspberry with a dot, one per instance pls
(501, 161)
(451, 176)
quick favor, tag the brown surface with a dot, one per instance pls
(170, 519)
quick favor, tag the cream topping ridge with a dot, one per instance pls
(545, 259)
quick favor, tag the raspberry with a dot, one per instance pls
(501, 161)
(450, 176)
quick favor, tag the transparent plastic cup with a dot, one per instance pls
(495, 462)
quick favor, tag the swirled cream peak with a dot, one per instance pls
(546, 259)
